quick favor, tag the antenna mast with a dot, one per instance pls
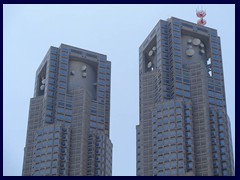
(201, 14)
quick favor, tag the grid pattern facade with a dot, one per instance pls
(184, 128)
(71, 105)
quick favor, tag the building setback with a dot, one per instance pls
(68, 125)
(184, 128)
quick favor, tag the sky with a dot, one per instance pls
(114, 30)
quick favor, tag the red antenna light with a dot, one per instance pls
(201, 14)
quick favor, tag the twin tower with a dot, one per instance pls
(184, 129)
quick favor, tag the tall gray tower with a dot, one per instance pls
(68, 125)
(184, 128)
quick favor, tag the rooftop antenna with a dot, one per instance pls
(201, 14)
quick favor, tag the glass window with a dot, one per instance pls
(179, 118)
(180, 155)
(49, 150)
(174, 164)
(180, 147)
(160, 159)
(188, 127)
(174, 172)
(56, 142)
(222, 143)
(160, 151)
(171, 119)
(93, 124)
(173, 148)
(51, 75)
(180, 163)
(172, 125)
(187, 120)
(223, 157)
(63, 72)
(166, 142)
(48, 157)
(223, 150)
(55, 149)
(173, 134)
(160, 135)
(51, 87)
(188, 134)
(221, 128)
(60, 110)
(221, 135)
(165, 120)
(166, 165)
(50, 143)
(166, 157)
(189, 157)
(165, 112)
(173, 156)
(62, 85)
(165, 127)
(179, 125)
(54, 171)
(53, 69)
(179, 132)
(189, 142)
(171, 111)
(225, 173)
(190, 165)
(173, 140)
(189, 149)
(53, 56)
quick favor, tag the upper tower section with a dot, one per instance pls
(67, 69)
(78, 66)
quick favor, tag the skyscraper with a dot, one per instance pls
(184, 127)
(68, 125)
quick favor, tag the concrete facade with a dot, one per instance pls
(69, 116)
(184, 127)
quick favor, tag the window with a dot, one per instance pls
(179, 133)
(189, 157)
(188, 127)
(160, 159)
(166, 157)
(188, 134)
(189, 149)
(173, 156)
(221, 135)
(178, 111)
(189, 142)
(190, 165)
(174, 164)
(222, 143)
(180, 155)
(166, 165)
(221, 128)
(180, 140)
(180, 147)
(160, 151)
(173, 148)
(187, 120)
(174, 172)
(165, 142)
(179, 125)
(223, 151)
(223, 158)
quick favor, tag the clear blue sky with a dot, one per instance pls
(114, 30)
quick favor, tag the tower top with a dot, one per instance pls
(201, 14)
